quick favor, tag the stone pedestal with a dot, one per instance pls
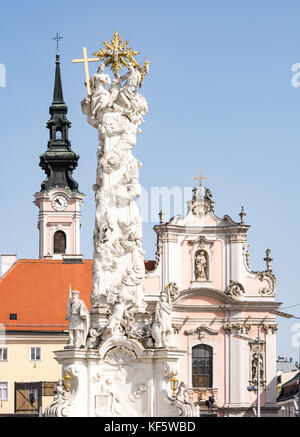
(120, 379)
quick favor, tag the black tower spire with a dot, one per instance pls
(59, 160)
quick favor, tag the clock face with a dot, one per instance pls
(59, 202)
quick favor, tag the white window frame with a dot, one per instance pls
(35, 359)
(1, 390)
(2, 360)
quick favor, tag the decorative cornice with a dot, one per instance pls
(201, 331)
(240, 328)
(270, 327)
(237, 238)
(169, 238)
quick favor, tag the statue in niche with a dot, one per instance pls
(162, 322)
(201, 265)
(255, 366)
(79, 321)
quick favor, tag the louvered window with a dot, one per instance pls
(59, 242)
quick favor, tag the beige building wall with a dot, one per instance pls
(20, 368)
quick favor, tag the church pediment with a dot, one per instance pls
(203, 296)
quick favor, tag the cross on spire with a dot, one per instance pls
(57, 38)
(200, 178)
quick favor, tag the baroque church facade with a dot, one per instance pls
(224, 314)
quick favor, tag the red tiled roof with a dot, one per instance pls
(37, 291)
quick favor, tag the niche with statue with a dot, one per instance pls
(201, 265)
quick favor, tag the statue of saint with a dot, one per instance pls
(100, 95)
(114, 322)
(162, 322)
(79, 318)
(133, 102)
(200, 263)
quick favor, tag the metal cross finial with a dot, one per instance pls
(200, 178)
(57, 38)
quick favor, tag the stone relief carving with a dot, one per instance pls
(185, 407)
(273, 327)
(120, 355)
(208, 201)
(158, 250)
(246, 254)
(239, 328)
(79, 321)
(137, 392)
(235, 289)
(198, 204)
(202, 331)
(59, 401)
(271, 279)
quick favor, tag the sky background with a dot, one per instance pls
(220, 98)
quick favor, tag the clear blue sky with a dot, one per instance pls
(220, 98)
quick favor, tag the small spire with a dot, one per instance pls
(58, 92)
(268, 260)
(242, 214)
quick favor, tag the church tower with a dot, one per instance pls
(59, 199)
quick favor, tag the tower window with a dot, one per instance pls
(59, 242)
(202, 361)
(58, 135)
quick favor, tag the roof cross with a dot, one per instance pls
(200, 178)
(57, 38)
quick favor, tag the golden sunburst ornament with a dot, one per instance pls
(117, 54)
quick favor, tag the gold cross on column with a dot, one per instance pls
(200, 178)
(86, 60)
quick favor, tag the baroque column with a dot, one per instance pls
(116, 109)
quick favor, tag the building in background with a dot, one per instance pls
(219, 304)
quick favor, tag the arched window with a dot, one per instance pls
(58, 135)
(202, 365)
(59, 242)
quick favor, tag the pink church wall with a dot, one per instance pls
(217, 265)
(186, 260)
(151, 285)
(253, 285)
